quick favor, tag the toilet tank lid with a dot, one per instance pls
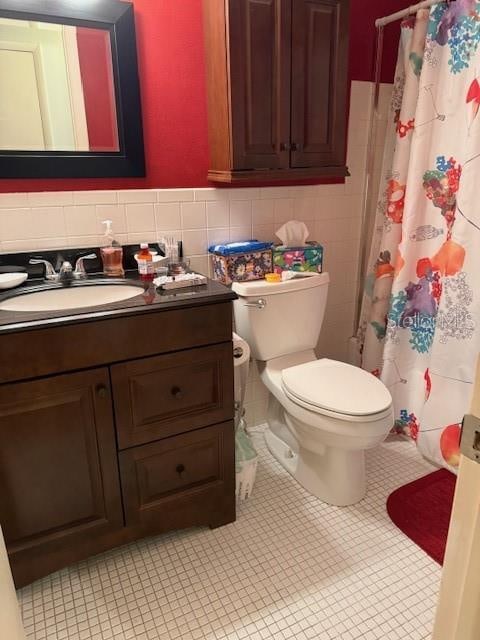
(263, 288)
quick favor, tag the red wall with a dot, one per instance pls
(96, 70)
(363, 38)
(170, 48)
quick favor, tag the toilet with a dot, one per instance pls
(322, 414)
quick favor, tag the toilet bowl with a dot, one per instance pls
(323, 414)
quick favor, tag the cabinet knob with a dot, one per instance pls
(177, 393)
(180, 468)
(102, 391)
(285, 146)
(297, 147)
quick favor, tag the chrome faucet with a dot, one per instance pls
(80, 273)
(50, 273)
(66, 273)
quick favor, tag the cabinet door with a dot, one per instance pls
(319, 82)
(59, 479)
(181, 481)
(260, 50)
(165, 395)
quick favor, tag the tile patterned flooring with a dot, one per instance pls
(290, 567)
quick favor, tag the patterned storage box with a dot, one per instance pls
(306, 258)
(241, 261)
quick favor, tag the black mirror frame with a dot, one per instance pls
(118, 19)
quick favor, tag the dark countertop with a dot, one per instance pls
(149, 300)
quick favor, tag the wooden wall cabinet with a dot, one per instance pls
(277, 78)
(94, 458)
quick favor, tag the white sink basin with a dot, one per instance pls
(71, 298)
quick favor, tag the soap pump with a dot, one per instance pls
(112, 253)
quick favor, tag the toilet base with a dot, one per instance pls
(336, 477)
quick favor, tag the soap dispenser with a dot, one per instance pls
(112, 253)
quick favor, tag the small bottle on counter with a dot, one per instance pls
(112, 253)
(145, 262)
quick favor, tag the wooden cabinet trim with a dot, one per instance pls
(306, 173)
(319, 34)
(37, 523)
(135, 384)
(144, 499)
(260, 82)
(43, 352)
(215, 19)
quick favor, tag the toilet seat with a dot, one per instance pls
(336, 389)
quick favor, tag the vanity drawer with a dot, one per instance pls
(183, 478)
(166, 395)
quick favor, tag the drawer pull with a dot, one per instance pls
(102, 391)
(177, 393)
(180, 469)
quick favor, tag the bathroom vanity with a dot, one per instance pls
(116, 422)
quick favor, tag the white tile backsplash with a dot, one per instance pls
(241, 213)
(47, 222)
(194, 215)
(95, 197)
(283, 210)
(239, 234)
(115, 213)
(14, 200)
(174, 195)
(81, 220)
(50, 199)
(263, 211)
(206, 194)
(194, 242)
(219, 235)
(264, 232)
(167, 216)
(15, 226)
(137, 196)
(218, 214)
(140, 218)
(205, 216)
(247, 193)
(324, 213)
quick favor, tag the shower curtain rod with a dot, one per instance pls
(399, 15)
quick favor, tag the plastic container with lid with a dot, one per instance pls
(145, 262)
(241, 261)
(112, 253)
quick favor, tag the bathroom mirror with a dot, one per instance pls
(69, 90)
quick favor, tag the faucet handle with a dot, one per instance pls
(65, 268)
(80, 267)
(50, 273)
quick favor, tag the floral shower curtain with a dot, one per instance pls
(420, 318)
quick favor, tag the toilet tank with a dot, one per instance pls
(277, 319)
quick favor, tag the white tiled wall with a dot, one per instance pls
(201, 217)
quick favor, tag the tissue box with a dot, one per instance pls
(306, 258)
(241, 261)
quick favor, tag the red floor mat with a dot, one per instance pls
(422, 509)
